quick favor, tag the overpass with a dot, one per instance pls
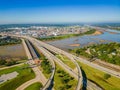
(72, 57)
(90, 85)
(80, 78)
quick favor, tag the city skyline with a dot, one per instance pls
(28, 11)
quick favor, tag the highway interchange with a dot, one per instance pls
(46, 49)
(78, 75)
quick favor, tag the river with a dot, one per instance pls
(86, 40)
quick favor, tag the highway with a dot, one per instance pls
(47, 53)
(32, 51)
(49, 82)
(90, 85)
(96, 66)
(73, 57)
(39, 76)
(46, 48)
(80, 78)
(50, 56)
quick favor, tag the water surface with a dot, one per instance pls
(12, 51)
(87, 40)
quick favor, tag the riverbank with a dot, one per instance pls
(53, 38)
(9, 41)
(102, 52)
(97, 32)
(74, 45)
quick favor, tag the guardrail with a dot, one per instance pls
(32, 51)
(47, 85)
(55, 50)
(59, 51)
(49, 82)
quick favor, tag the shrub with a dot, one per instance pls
(61, 88)
(68, 86)
(106, 76)
(58, 71)
(2, 62)
(9, 63)
(46, 66)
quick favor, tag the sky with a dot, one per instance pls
(59, 11)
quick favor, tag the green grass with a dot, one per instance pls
(34, 86)
(58, 83)
(67, 61)
(45, 74)
(12, 69)
(18, 62)
(45, 68)
(25, 74)
(97, 76)
(91, 31)
(102, 52)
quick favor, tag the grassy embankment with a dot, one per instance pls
(99, 77)
(67, 61)
(66, 36)
(106, 52)
(63, 81)
(46, 67)
(25, 74)
(34, 86)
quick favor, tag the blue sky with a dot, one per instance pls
(59, 11)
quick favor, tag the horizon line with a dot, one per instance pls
(61, 23)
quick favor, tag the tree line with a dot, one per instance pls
(109, 52)
(9, 41)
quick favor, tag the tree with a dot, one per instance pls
(2, 62)
(9, 63)
(61, 88)
(68, 86)
(106, 76)
(78, 52)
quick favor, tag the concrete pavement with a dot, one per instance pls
(52, 48)
(90, 85)
(39, 76)
(59, 51)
